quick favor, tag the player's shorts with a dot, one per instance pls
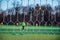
(22, 27)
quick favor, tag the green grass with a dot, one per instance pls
(29, 37)
(29, 27)
(38, 34)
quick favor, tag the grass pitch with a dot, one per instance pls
(29, 37)
(12, 32)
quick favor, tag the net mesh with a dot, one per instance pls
(35, 15)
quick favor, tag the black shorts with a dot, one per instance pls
(22, 27)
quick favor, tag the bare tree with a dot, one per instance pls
(0, 4)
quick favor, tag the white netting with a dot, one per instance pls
(39, 13)
(43, 13)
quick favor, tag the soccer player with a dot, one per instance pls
(23, 25)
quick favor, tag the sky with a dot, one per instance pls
(25, 3)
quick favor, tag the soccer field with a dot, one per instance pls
(29, 29)
(12, 32)
(29, 37)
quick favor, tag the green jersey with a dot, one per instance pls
(23, 23)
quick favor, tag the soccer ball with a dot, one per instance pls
(36, 24)
(17, 24)
(2, 23)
